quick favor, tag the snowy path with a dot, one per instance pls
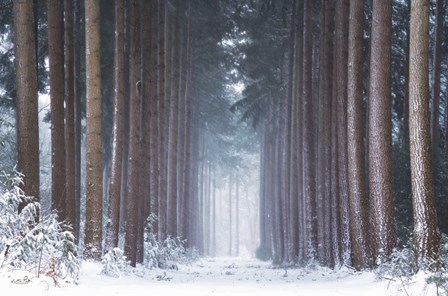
(220, 276)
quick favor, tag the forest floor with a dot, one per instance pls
(215, 276)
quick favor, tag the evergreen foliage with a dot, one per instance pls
(46, 246)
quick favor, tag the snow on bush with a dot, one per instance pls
(401, 263)
(114, 263)
(46, 246)
(166, 254)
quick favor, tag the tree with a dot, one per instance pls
(69, 76)
(355, 139)
(437, 61)
(163, 122)
(309, 181)
(380, 131)
(94, 156)
(77, 58)
(134, 159)
(118, 128)
(27, 98)
(56, 63)
(173, 129)
(426, 235)
(324, 138)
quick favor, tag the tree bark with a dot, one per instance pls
(380, 131)
(118, 128)
(27, 99)
(356, 161)
(69, 76)
(437, 68)
(426, 234)
(134, 158)
(94, 156)
(56, 65)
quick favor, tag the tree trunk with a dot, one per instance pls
(134, 159)
(173, 134)
(27, 99)
(69, 76)
(78, 30)
(437, 68)
(356, 161)
(56, 65)
(324, 135)
(154, 119)
(163, 105)
(230, 215)
(118, 127)
(426, 234)
(94, 156)
(237, 216)
(380, 131)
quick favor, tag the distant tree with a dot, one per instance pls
(94, 156)
(151, 64)
(163, 119)
(426, 234)
(27, 97)
(172, 192)
(380, 131)
(324, 138)
(118, 128)
(309, 180)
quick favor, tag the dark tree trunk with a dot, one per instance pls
(380, 131)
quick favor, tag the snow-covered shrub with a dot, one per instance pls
(47, 246)
(438, 269)
(401, 263)
(114, 263)
(167, 254)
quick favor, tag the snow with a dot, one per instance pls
(215, 276)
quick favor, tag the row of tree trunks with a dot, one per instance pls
(339, 197)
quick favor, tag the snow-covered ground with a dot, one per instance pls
(214, 276)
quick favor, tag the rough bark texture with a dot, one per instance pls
(56, 64)
(426, 235)
(380, 133)
(437, 62)
(94, 156)
(27, 107)
(70, 159)
(134, 158)
(118, 128)
(356, 159)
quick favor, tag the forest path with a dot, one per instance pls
(209, 276)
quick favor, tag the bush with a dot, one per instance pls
(401, 263)
(166, 254)
(48, 246)
(115, 263)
